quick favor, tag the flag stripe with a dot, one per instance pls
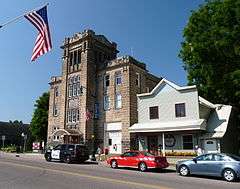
(43, 41)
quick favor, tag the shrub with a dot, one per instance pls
(9, 149)
(180, 153)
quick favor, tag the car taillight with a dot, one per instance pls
(151, 159)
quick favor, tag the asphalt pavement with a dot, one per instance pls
(33, 172)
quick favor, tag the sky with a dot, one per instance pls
(151, 31)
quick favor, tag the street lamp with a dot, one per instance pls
(24, 141)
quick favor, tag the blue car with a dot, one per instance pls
(226, 166)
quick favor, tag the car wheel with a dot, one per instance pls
(142, 166)
(184, 170)
(67, 159)
(229, 175)
(114, 164)
(48, 157)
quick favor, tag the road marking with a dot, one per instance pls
(89, 176)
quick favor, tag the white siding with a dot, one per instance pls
(166, 97)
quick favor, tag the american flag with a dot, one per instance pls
(43, 42)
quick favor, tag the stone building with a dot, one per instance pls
(94, 100)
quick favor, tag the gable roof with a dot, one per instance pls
(178, 88)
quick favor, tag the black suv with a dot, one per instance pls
(68, 153)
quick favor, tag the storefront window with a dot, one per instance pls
(187, 142)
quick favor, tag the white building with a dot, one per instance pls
(180, 118)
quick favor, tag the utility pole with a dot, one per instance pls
(3, 140)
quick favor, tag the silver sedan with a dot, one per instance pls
(226, 166)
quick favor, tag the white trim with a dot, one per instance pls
(169, 83)
(204, 102)
(157, 126)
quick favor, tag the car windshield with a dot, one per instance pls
(147, 154)
(237, 158)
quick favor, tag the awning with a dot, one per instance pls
(218, 122)
(67, 132)
(157, 126)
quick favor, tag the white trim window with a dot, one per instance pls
(70, 90)
(56, 138)
(106, 81)
(187, 142)
(56, 92)
(106, 102)
(79, 89)
(55, 110)
(138, 79)
(118, 101)
(74, 116)
(180, 110)
(75, 89)
(118, 78)
(78, 115)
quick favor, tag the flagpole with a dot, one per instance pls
(19, 17)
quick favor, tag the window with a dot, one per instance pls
(78, 115)
(71, 59)
(56, 91)
(100, 57)
(69, 116)
(109, 141)
(153, 112)
(138, 79)
(79, 89)
(207, 157)
(118, 101)
(55, 110)
(147, 89)
(56, 138)
(73, 115)
(74, 89)
(71, 147)
(70, 90)
(106, 102)
(180, 110)
(118, 78)
(74, 57)
(106, 81)
(187, 142)
(130, 154)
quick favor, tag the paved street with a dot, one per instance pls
(28, 172)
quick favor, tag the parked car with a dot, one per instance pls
(226, 166)
(137, 159)
(68, 153)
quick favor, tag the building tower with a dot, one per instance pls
(94, 101)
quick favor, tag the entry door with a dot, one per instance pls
(210, 146)
(115, 142)
(152, 144)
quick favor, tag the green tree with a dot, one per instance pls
(211, 50)
(39, 121)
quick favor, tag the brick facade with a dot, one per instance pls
(89, 71)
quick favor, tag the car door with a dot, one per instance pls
(133, 159)
(219, 161)
(124, 159)
(55, 153)
(203, 165)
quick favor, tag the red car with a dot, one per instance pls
(137, 159)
